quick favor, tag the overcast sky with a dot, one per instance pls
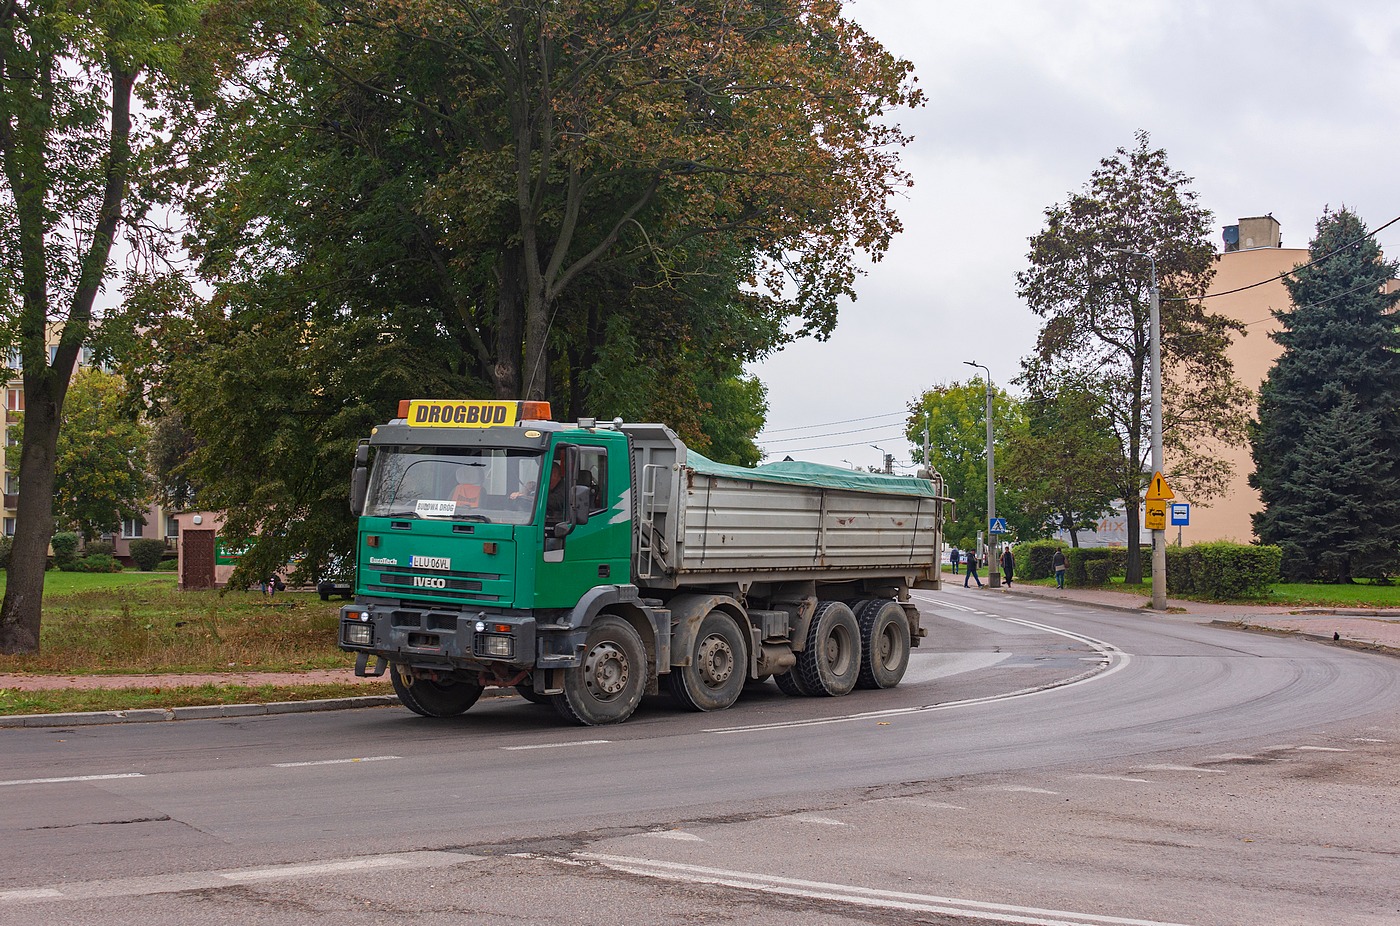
(1279, 107)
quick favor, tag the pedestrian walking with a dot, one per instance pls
(971, 571)
(954, 557)
(1008, 564)
(1058, 563)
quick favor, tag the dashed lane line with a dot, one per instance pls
(556, 745)
(52, 781)
(334, 761)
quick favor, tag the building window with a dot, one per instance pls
(172, 527)
(11, 484)
(53, 354)
(14, 400)
(132, 529)
(13, 360)
(9, 527)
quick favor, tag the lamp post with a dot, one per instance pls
(993, 557)
(1159, 537)
(887, 458)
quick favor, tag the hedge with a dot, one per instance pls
(1096, 570)
(1033, 559)
(146, 553)
(65, 548)
(1075, 574)
(1119, 556)
(1222, 571)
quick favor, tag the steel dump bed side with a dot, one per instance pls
(701, 522)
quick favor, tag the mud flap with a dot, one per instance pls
(362, 663)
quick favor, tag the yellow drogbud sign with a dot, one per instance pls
(461, 413)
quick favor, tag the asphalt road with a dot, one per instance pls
(1041, 763)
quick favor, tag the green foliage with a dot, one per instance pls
(65, 548)
(99, 548)
(1097, 307)
(96, 562)
(1326, 444)
(1096, 571)
(1034, 559)
(5, 544)
(1222, 571)
(956, 418)
(147, 553)
(1078, 559)
(1119, 556)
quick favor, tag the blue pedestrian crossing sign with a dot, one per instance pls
(996, 526)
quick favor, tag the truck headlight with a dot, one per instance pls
(496, 645)
(358, 634)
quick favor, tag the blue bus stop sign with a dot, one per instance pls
(1181, 514)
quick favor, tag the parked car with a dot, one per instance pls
(338, 579)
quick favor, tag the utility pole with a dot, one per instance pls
(993, 555)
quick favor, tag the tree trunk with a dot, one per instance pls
(22, 609)
(506, 375)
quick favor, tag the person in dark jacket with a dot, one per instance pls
(955, 557)
(1058, 563)
(1008, 565)
(971, 571)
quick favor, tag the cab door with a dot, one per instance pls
(598, 551)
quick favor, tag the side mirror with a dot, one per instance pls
(580, 501)
(359, 479)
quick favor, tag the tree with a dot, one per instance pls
(1064, 462)
(1096, 307)
(955, 417)
(1326, 444)
(100, 478)
(71, 149)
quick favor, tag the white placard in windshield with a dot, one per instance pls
(435, 508)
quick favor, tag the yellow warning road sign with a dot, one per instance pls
(1156, 519)
(1158, 490)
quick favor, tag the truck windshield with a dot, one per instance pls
(488, 484)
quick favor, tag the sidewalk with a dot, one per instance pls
(1362, 627)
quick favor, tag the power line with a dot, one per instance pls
(1354, 289)
(1274, 279)
(787, 440)
(859, 443)
(827, 424)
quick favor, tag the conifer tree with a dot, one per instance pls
(1326, 444)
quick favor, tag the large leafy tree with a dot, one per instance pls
(72, 147)
(101, 476)
(955, 418)
(1096, 308)
(1326, 443)
(1063, 462)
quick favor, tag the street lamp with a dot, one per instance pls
(888, 459)
(993, 560)
(1159, 537)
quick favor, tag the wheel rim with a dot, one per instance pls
(887, 646)
(606, 671)
(716, 661)
(838, 650)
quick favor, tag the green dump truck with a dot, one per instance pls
(586, 565)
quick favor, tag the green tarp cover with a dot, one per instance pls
(814, 474)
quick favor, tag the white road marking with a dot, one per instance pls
(1146, 781)
(51, 781)
(1111, 660)
(206, 880)
(334, 761)
(1180, 768)
(1018, 789)
(558, 745)
(1367, 739)
(675, 834)
(810, 818)
(1321, 749)
(862, 896)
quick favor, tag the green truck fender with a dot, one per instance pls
(561, 643)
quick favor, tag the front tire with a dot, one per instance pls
(830, 665)
(433, 699)
(607, 685)
(884, 643)
(718, 666)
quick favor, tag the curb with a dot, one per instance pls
(1034, 596)
(1312, 637)
(211, 711)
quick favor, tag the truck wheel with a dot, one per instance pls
(434, 699)
(790, 684)
(884, 643)
(830, 664)
(607, 686)
(718, 666)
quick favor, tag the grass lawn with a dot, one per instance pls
(134, 622)
(1294, 594)
(127, 699)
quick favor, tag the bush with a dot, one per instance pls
(5, 544)
(1119, 557)
(96, 562)
(1181, 570)
(1225, 571)
(168, 565)
(65, 549)
(99, 548)
(147, 553)
(1096, 570)
(1075, 574)
(1033, 558)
